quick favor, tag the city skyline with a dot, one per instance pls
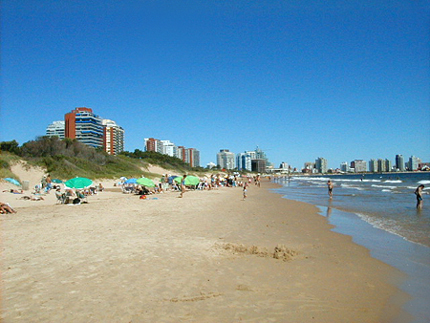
(341, 80)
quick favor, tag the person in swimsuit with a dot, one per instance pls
(183, 186)
(419, 195)
(330, 188)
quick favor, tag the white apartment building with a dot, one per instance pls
(56, 128)
(225, 159)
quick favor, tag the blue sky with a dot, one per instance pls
(342, 80)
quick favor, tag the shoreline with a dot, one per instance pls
(205, 258)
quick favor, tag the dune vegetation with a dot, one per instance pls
(69, 158)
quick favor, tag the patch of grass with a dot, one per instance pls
(7, 159)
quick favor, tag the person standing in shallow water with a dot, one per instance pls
(419, 195)
(330, 188)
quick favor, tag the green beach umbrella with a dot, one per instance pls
(189, 180)
(78, 182)
(145, 182)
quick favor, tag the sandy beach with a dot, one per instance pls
(208, 257)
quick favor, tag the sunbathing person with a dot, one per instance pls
(6, 208)
(14, 191)
(32, 198)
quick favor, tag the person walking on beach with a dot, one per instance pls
(245, 188)
(419, 195)
(330, 188)
(183, 186)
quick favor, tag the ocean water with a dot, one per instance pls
(379, 212)
(386, 201)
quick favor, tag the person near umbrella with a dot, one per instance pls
(48, 183)
(183, 185)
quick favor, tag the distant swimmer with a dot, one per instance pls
(330, 188)
(419, 195)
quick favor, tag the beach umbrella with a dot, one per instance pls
(57, 181)
(78, 182)
(131, 181)
(189, 180)
(13, 181)
(145, 182)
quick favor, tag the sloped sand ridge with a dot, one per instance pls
(280, 252)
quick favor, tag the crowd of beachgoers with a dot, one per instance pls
(66, 193)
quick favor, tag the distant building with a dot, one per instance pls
(192, 157)
(344, 167)
(225, 159)
(243, 161)
(359, 166)
(86, 127)
(113, 137)
(413, 163)
(168, 148)
(181, 153)
(388, 165)
(400, 163)
(284, 165)
(308, 167)
(381, 165)
(373, 166)
(321, 165)
(56, 129)
(152, 144)
(210, 165)
(260, 154)
(258, 165)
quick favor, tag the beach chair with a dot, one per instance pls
(61, 197)
(82, 197)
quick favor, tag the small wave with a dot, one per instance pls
(424, 182)
(384, 186)
(393, 181)
(352, 187)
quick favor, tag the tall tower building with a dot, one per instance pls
(169, 148)
(225, 159)
(113, 137)
(321, 165)
(152, 144)
(81, 124)
(388, 165)
(373, 166)
(359, 165)
(413, 163)
(400, 163)
(192, 157)
(243, 161)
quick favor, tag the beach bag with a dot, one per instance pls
(77, 201)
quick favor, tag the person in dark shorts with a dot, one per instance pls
(419, 195)
(330, 188)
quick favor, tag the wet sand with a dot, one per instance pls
(209, 257)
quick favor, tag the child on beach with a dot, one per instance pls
(245, 186)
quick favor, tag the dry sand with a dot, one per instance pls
(209, 257)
